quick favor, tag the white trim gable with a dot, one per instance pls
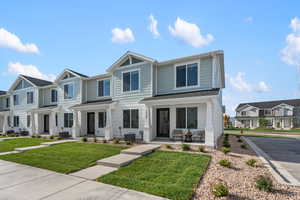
(244, 107)
(283, 105)
(20, 77)
(61, 75)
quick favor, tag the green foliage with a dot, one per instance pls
(95, 139)
(225, 163)
(251, 162)
(243, 146)
(168, 146)
(264, 183)
(201, 149)
(116, 140)
(10, 145)
(104, 141)
(51, 137)
(185, 147)
(225, 150)
(220, 190)
(239, 140)
(128, 142)
(84, 139)
(263, 123)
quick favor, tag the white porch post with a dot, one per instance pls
(5, 123)
(209, 128)
(108, 128)
(173, 120)
(52, 124)
(75, 128)
(148, 125)
(292, 123)
(35, 123)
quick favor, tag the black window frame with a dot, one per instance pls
(187, 81)
(7, 102)
(127, 84)
(68, 120)
(16, 100)
(28, 120)
(68, 92)
(30, 97)
(101, 119)
(54, 96)
(101, 88)
(183, 122)
(130, 123)
(16, 121)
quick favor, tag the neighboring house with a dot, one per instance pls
(282, 114)
(137, 95)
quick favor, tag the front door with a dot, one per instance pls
(163, 122)
(46, 123)
(91, 123)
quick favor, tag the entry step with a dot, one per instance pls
(119, 160)
(141, 149)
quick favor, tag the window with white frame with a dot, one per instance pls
(243, 113)
(131, 81)
(131, 118)
(68, 120)
(187, 118)
(16, 121)
(53, 96)
(69, 91)
(29, 97)
(187, 75)
(101, 119)
(104, 88)
(268, 112)
(16, 99)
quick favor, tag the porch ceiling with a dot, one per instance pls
(93, 104)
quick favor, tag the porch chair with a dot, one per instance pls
(199, 134)
(178, 134)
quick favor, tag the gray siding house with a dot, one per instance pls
(137, 95)
(281, 114)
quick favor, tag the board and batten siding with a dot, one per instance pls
(166, 77)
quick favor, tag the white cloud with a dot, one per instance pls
(11, 41)
(122, 36)
(190, 33)
(239, 83)
(248, 19)
(291, 53)
(29, 70)
(263, 87)
(153, 26)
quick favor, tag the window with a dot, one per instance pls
(16, 99)
(127, 62)
(268, 112)
(56, 120)
(69, 91)
(68, 120)
(187, 118)
(243, 113)
(131, 81)
(7, 102)
(28, 121)
(16, 121)
(187, 75)
(102, 119)
(29, 97)
(131, 118)
(8, 121)
(53, 96)
(104, 88)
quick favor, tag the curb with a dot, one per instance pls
(279, 172)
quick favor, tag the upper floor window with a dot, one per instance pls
(102, 119)
(69, 91)
(187, 118)
(16, 99)
(68, 120)
(187, 75)
(29, 97)
(16, 121)
(268, 112)
(7, 102)
(104, 88)
(53, 96)
(243, 113)
(131, 81)
(131, 118)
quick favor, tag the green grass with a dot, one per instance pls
(173, 175)
(65, 158)
(10, 145)
(269, 130)
(258, 135)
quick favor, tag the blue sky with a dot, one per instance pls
(42, 38)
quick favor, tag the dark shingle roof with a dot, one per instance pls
(79, 74)
(38, 82)
(2, 92)
(184, 95)
(271, 104)
(96, 102)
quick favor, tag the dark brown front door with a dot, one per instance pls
(91, 123)
(46, 123)
(163, 122)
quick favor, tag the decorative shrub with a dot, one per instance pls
(251, 162)
(104, 141)
(226, 144)
(264, 183)
(33, 136)
(238, 136)
(185, 147)
(220, 190)
(116, 140)
(243, 146)
(95, 139)
(38, 136)
(168, 146)
(225, 150)
(84, 139)
(225, 163)
(239, 140)
(51, 137)
(201, 149)
(128, 142)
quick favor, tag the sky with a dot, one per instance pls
(260, 40)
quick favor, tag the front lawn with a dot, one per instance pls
(65, 158)
(173, 175)
(10, 145)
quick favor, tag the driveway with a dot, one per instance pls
(21, 182)
(284, 151)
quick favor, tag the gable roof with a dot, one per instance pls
(2, 92)
(271, 104)
(36, 81)
(79, 74)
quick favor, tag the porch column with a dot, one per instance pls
(292, 123)
(75, 128)
(209, 128)
(35, 123)
(5, 123)
(52, 124)
(108, 129)
(148, 125)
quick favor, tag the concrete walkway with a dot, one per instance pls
(21, 182)
(11, 138)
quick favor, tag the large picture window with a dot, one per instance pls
(69, 91)
(130, 81)
(131, 118)
(102, 119)
(29, 97)
(68, 120)
(104, 88)
(187, 75)
(187, 118)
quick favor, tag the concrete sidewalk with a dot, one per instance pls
(21, 182)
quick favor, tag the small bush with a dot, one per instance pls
(128, 142)
(264, 183)
(226, 145)
(251, 162)
(33, 136)
(84, 139)
(239, 140)
(201, 149)
(168, 146)
(104, 141)
(185, 147)
(116, 140)
(51, 137)
(220, 190)
(225, 163)
(225, 150)
(243, 146)
(238, 136)
(38, 136)
(95, 140)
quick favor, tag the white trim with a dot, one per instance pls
(131, 91)
(103, 88)
(63, 90)
(182, 64)
(130, 109)
(32, 97)
(51, 95)
(186, 116)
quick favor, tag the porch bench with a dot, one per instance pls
(178, 134)
(198, 134)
